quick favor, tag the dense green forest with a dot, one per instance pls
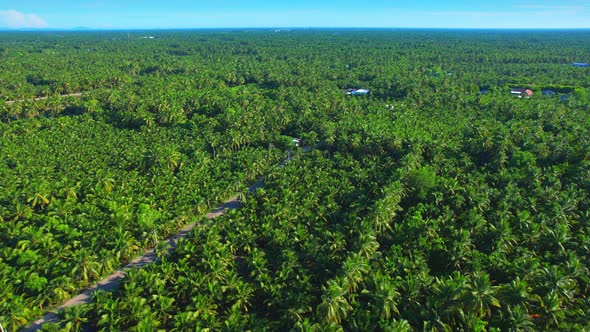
(438, 202)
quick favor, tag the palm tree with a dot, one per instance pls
(185, 320)
(385, 295)
(481, 295)
(446, 304)
(354, 268)
(515, 318)
(75, 317)
(334, 307)
(514, 293)
(148, 321)
(552, 279)
(14, 314)
(87, 268)
(163, 307)
(38, 200)
(550, 310)
(21, 211)
(388, 207)
(244, 295)
(368, 245)
(397, 325)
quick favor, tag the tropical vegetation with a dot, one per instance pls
(437, 202)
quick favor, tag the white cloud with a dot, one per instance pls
(16, 20)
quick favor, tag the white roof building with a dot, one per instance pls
(357, 92)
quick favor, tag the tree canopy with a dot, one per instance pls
(437, 202)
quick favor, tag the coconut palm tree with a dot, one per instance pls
(481, 295)
(354, 269)
(334, 306)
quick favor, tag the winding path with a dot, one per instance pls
(112, 282)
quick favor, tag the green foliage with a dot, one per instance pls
(420, 181)
(424, 206)
(35, 283)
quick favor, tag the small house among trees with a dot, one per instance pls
(580, 64)
(357, 92)
(522, 92)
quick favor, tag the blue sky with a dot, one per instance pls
(165, 14)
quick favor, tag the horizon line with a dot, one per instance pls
(81, 29)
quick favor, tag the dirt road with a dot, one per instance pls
(112, 282)
(79, 94)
